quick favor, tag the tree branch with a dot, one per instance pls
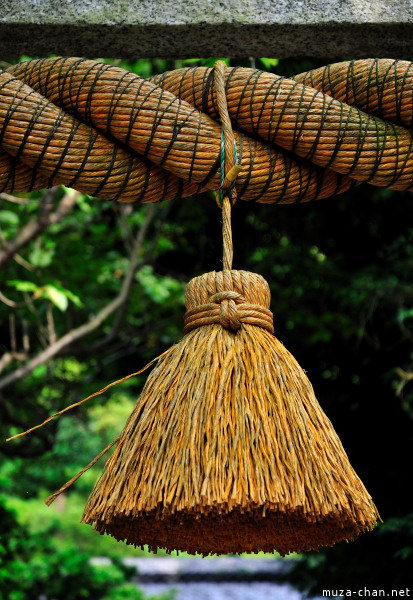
(94, 322)
(121, 313)
(15, 200)
(9, 302)
(9, 357)
(44, 219)
(106, 339)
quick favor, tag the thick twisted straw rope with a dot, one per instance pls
(112, 134)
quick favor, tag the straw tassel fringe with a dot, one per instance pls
(227, 449)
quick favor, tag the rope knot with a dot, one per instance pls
(228, 308)
(228, 312)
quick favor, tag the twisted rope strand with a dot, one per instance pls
(61, 149)
(382, 87)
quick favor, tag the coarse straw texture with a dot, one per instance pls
(315, 125)
(142, 126)
(227, 449)
(112, 134)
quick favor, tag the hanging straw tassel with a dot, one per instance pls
(227, 449)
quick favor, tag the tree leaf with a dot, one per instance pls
(269, 63)
(73, 297)
(41, 257)
(23, 286)
(7, 217)
(58, 298)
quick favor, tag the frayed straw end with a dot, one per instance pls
(234, 532)
(228, 451)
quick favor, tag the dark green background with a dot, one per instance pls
(340, 273)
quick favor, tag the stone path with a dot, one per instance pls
(225, 578)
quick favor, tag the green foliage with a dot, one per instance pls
(32, 566)
(269, 63)
(55, 293)
(128, 592)
(10, 220)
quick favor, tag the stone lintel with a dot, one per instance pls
(204, 28)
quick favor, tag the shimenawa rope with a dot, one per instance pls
(112, 134)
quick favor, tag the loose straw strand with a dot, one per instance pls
(88, 398)
(64, 487)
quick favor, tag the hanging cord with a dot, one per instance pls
(227, 194)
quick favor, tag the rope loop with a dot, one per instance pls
(226, 195)
(229, 156)
(227, 295)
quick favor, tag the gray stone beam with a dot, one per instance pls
(203, 28)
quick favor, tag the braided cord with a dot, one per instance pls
(230, 299)
(229, 167)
